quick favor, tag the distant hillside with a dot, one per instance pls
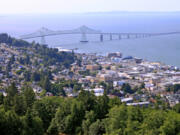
(50, 56)
(5, 38)
(135, 12)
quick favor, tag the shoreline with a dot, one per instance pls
(75, 50)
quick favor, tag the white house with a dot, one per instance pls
(97, 91)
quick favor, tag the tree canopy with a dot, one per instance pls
(23, 114)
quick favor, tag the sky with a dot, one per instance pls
(80, 6)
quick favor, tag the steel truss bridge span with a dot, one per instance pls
(84, 30)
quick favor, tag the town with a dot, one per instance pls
(133, 80)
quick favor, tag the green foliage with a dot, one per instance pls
(171, 124)
(57, 88)
(4, 38)
(20, 105)
(0, 69)
(42, 94)
(10, 123)
(177, 108)
(13, 123)
(85, 73)
(173, 88)
(97, 128)
(29, 96)
(102, 106)
(12, 59)
(46, 109)
(23, 114)
(51, 56)
(88, 100)
(142, 86)
(27, 76)
(8, 69)
(67, 117)
(108, 87)
(19, 71)
(9, 99)
(153, 122)
(46, 84)
(58, 122)
(1, 98)
(76, 88)
(108, 68)
(89, 119)
(116, 121)
(2, 122)
(127, 88)
(12, 90)
(32, 125)
(35, 76)
(114, 102)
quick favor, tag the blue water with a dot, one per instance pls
(165, 49)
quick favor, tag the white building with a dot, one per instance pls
(97, 91)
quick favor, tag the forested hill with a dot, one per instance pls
(49, 56)
(5, 38)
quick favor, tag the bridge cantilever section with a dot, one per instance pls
(43, 32)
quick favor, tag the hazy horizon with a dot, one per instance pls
(82, 6)
(98, 12)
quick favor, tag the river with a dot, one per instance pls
(165, 49)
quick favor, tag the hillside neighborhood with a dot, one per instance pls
(135, 81)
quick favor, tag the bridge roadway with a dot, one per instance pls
(84, 30)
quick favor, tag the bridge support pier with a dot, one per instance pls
(83, 38)
(101, 38)
(43, 41)
(136, 36)
(128, 36)
(110, 36)
(119, 37)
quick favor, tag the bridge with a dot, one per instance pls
(84, 30)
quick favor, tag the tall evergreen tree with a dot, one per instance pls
(46, 84)
(32, 124)
(29, 96)
(19, 105)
